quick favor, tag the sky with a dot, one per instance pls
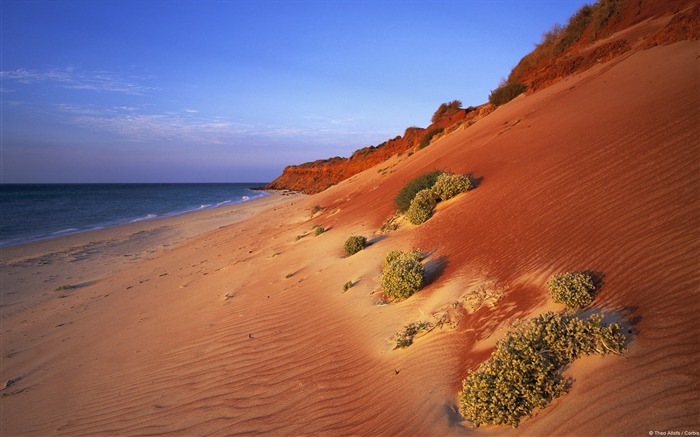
(234, 91)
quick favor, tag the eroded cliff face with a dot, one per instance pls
(314, 177)
(627, 25)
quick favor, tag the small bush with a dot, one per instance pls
(390, 224)
(354, 244)
(574, 290)
(402, 274)
(524, 371)
(316, 209)
(574, 29)
(544, 52)
(446, 109)
(319, 230)
(394, 255)
(408, 192)
(590, 20)
(505, 93)
(65, 287)
(448, 186)
(428, 137)
(421, 207)
(347, 286)
(604, 11)
(483, 295)
(404, 338)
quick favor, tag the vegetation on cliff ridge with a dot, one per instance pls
(562, 51)
(314, 177)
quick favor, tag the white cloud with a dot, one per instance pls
(140, 123)
(165, 127)
(27, 76)
(162, 127)
(75, 109)
(71, 78)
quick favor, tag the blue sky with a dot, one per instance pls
(231, 91)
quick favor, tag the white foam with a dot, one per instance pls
(65, 231)
(147, 217)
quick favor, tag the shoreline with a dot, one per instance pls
(27, 269)
(75, 228)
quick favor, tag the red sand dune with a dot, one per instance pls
(600, 171)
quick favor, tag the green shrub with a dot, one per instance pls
(559, 39)
(65, 287)
(448, 186)
(421, 207)
(428, 137)
(404, 338)
(524, 371)
(347, 286)
(505, 93)
(390, 224)
(354, 244)
(604, 11)
(446, 109)
(574, 290)
(574, 29)
(394, 255)
(402, 274)
(319, 230)
(408, 192)
(485, 294)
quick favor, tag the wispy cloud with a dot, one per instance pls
(71, 78)
(25, 76)
(133, 126)
(324, 120)
(141, 124)
(75, 109)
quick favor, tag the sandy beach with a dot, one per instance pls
(96, 253)
(233, 321)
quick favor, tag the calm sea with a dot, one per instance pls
(34, 212)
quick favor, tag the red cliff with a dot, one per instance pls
(595, 34)
(314, 177)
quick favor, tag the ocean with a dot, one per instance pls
(30, 212)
